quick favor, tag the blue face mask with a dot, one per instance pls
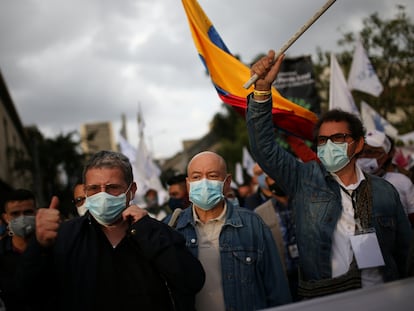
(106, 208)
(206, 193)
(261, 180)
(333, 156)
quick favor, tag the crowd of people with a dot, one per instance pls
(297, 230)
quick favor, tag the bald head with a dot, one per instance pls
(207, 161)
(210, 167)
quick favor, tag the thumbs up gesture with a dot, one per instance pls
(47, 223)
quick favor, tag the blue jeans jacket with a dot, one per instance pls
(252, 273)
(316, 200)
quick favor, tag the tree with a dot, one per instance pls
(390, 46)
(51, 160)
(230, 126)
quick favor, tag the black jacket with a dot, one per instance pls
(67, 277)
(255, 199)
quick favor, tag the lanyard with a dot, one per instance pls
(353, 195)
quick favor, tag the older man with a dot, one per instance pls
(238, 253)
(115, 257)
(351, 228)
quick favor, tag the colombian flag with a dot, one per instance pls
(228, 75)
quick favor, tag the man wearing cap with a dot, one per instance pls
(376, 157)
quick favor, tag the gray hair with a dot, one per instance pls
(110, 159)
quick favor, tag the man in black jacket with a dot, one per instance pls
(115, 257)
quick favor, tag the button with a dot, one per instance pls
(248, 259)
(193, 241)
(133, 231)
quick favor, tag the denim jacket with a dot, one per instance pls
(252, 273)
(316, 200)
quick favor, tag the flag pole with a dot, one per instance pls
(301, 30)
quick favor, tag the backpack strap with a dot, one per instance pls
(174, 217)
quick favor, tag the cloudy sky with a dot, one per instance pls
(70, 62)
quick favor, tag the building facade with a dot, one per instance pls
(97, 136)
(14, 148)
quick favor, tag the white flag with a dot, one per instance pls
(127, 149)
(239, 174)
(248, 162)
(408, 139)
(362, 76)
(372, 120)
(339, 95)
(146, 172)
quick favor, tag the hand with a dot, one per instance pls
(47, 223)
(267, 71)
(134, 213)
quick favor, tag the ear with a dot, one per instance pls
(359, 145)
(227, 183)
(132, 190)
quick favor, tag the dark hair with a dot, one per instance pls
(18, 195)
(151, 190)
(110, 159)
(336, 115)
(177, 179)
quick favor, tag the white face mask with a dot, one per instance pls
(81, 209)
(368, 165)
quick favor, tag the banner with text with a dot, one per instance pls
(296, 82)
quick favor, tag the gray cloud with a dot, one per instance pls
(67, 63)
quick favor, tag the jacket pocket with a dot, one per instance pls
(244, 265)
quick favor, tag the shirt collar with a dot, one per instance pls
(360, 178)
(220, 217)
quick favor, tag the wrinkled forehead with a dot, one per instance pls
(207, 163)
(104, 175)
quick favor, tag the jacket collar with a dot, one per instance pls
(232, 217)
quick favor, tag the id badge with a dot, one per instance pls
(366, 249)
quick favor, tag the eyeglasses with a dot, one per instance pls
(338, 138)
(78, 201)
(113, 189)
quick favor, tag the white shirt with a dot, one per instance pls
(405, 189)
(342, 253)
